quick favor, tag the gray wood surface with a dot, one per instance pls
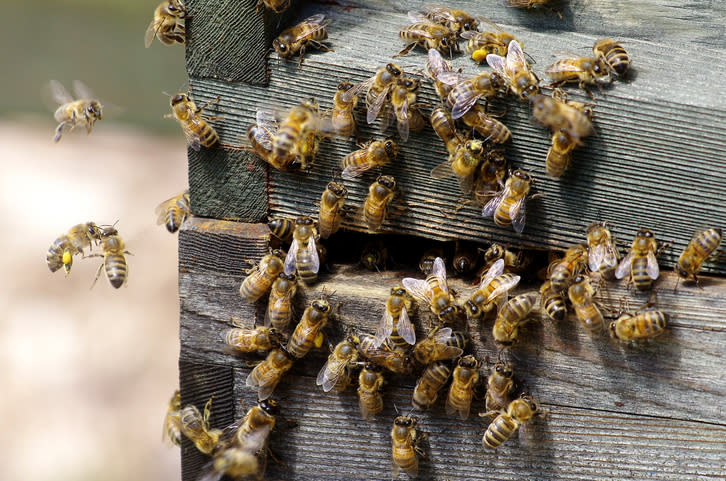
(650, 411)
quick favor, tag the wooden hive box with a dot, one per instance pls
(654, 411)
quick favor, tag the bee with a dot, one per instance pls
(260, 277)
(426, 263)
(436, 66)
(612, 55)
(313, 320)
(428, 35)
(700, 248)
(344, 102)
(584, 70)
(261, 137)
(434, 290)
(195, 426)
(234, 462)
(512, 315)
(558, 115)
(252, 340)
(378, 87)
(374, 255)
(394, 361)
(172, 421)
(513, 261)
(561, 271)
(465, 378)
(295, 40)
(403, 100)
(500, 384)
(553, 302)
(303, 254)
(493, 288)
(440, 345)
(395, 319)
(331, 209)
(194, 123)
(168, 24)
(490, 128)
(172, 212)
(61, 251)
(640, 263)
(279, 308)
(462, 163)
(443, 125)
(429, 384)
(480, 44)
(370, 387)
(490, 177)
(515, 71)
(457, 20)
(380, 195)
(602, 255)
(282, 228)
(465, 258)
(294, 144)
(404, 446)
(255, 427)
(335, 374)
(375, 153)
(508, 206)
(559, 154)
(277, 6)
(267, 374)
(465, 93)
(581, 293)
(72, 112)
(644, 325)
(519, 412)
(114, 259)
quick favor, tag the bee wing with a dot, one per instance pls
(611, 255)
(192, 137)
(384, 329)
(439, 271)
(490, 23)
(503, 288)
(464, 102)
(313, 253)
(418, 288)
(625, 265)
(417, 17)
(405, 327)
(255, 440)
(151, 33)
(161, 209)
(59, 93)
(442, 171)
(563, 67)
(495, 270)
(518, 214)
(466, 183)
(318, 23)
(402, 120)
(354, 171)
(493, 203)
(82, 91)
(516, 60)
(448, 77)
(498, 63)
(436, 64)
(375, 107)
(652, 266)
(330, 373)
(595, 257)
(290, 264)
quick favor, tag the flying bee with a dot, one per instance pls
(602, 255)
(429, 384)
(277, 6)
(282, 228)
(255, 427)
(424, 33)
(195, 426)
(378, 87)
(84, 109)
(380, 195)
(279, 305)
(581, 293)
(172, 212)
(440, 345)
(252, 340)
(700, 248)
(490, 177)
(403, 100)
(394, 361)
(553, 302)
(465, 378)
(114, 259)
(480, 44)
(465, 93)
(395, 318)
(313, 320)
(457, 20)
(61, 251)
(612, 55)
(335, 374)
(643, 325)
(267, 374)
(233, 462)
(561, 271)
(508, 206)
(583, 70)
(512, 315)
(435, 66)
(331, 209)
(344, 102)
(640, 263)
(370, 387)
(493, 289)
(490, 128)
(405, 448)
(443, 125)
(375, 153)
(194, 123)
(463, 163)
(296, 39)
(515, 71)
(168, 24)
(434, 290)
(465, 258)
(558, 115)
(260, 277)
(172, 421)
(519, 412)
(500, 384)
(303, 254)
(374, 255)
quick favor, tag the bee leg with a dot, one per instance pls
(98, 274)
(213, 101)
(321, 46)
(407, 49)
(301, 55)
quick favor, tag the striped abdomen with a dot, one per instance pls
(56, 253)
(499, 431)
(115, 265)
(639, 273)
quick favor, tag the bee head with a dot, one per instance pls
(179, 98)
(270, 406)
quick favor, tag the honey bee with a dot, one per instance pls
(335, 374)
(457, 20)
(395, 320)
(172, 212)
(424, 33)
(553, 301)
(168, 24)
(463, 163)
(490, 177)
(561, 271)
(490, 128)
(558, 115)
(559, 154)
(513, 261)
(114, 259)
(370, 387)
(435, 66)
(465, 258)
(465, 378)
(640, 263)
(261, 136)
(405, 446)
(512, 315)
(295, 40)
(267, 374)
(508, 206)
(303, 254)
(252, 340)
(583, 70)
(602, 255)
(277, 6)
(279, 308)
(331, 209)
(480, 44)
(700, 248)
(612, 55)
(440, 345)
(172, 421)
(394, 361)
(295, 142)
(434, 290)
(519, 412)
(195, 426)
(515, 71)
(378, 87)
(255, 427)
(282, 228)
(493, 288)
(375, 153)
(403, 100)
(234, 462)
(344, 102)
(260, 277)
(644, 325)
(380, 195)
(61, 251)
(72, 112)
(443, 125)
(374, 255)
(313, 320)
(581, 293)
(429, 384)
(194, 123)
(465, 93)
(426, 263)
(499, 387)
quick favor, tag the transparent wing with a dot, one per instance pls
(254, 440)
(59, 93)
(402, 120)
(384, 329)
(625, 265)
(317, 21)
(449, 78)
(418, 288)
(151, 33)
(348, 95)
(375, 107)
(417, 17)
(405, 328)
(82, 91)
(563, 67)
(495, 270)
(192, 136)
(464, 102)
(504, 287)
(436, 64)
(493, 204)
(313, 254)
(595, 257)
(354, 171)
(161, 209)
(490, 23)
(518, 215)
(439, 271)
(516, 60)
(498, 63)
(290, 263)
(611, 255)
(652, 267)
(251, 380)
(442, 171)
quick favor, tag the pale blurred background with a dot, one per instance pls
(86, 374)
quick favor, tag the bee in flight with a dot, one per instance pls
(61, 251)
(172, 212)
(508, 206)
(172, 421)
(515, 70)
(83, 110)
(168, 24)
(195, 426)
(699, 249)
(114, 258)
(194, 123)
(562, 116)
(295, 40)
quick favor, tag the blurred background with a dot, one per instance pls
(87, 373)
